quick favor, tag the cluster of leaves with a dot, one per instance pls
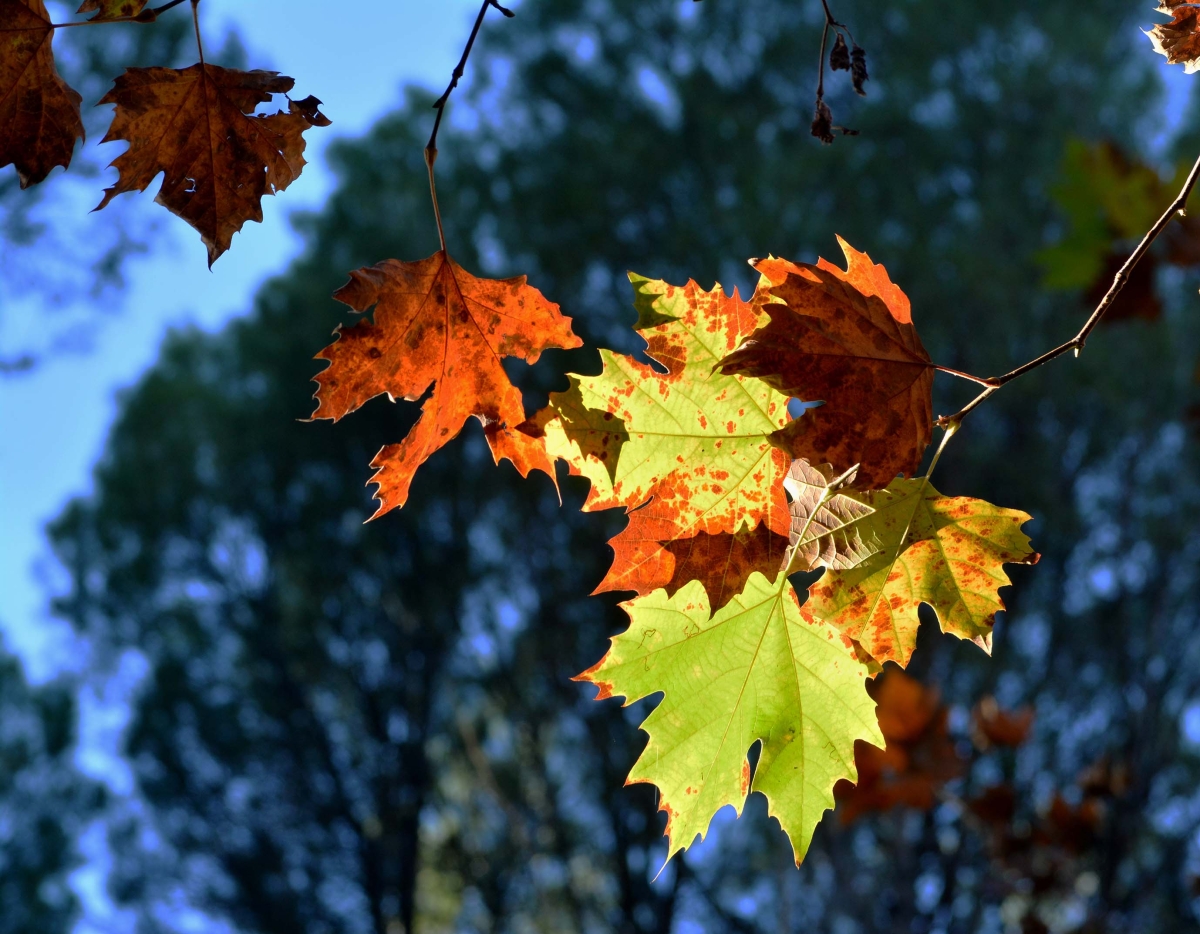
(726, 494)
(196, 125)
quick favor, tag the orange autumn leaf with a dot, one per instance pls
(436, 324)
(197, 126)
(844, 338)
(647, 555)
(1178, 40)
(39, 111)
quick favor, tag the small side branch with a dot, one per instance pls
(440, 106)
(1076, 343)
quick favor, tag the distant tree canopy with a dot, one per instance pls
(370, 728)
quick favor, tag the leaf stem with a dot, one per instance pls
(440, 106)
(937, 455)
(196, 23)
(1076, 343)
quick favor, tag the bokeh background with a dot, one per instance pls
(230, 706)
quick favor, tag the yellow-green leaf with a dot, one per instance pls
(946, 551)
(760, 670)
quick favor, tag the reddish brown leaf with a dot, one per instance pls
(436, 324)
(1178, 40)
(197, 126)
(996, 727)
(648, 556)
(39, 112)
(845, 339)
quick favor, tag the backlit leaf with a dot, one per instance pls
(436, 324)
(845, 339)
(758, 671)
(704, 446)
(112, 9)
(825, 523)
(1178, 40)
(946, 551)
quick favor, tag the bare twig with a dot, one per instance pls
(440, 106)
(1077, 342)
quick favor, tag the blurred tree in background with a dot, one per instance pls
(370, 728)
(44, 804)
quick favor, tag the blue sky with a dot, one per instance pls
(53, 421)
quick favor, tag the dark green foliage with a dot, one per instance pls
(347, 726)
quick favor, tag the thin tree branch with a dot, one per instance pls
(440, 106)
(196, 23)
(1077, 342)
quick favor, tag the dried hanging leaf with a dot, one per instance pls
(825, 523)
(846, 339)
(1178, 40)
(757, 671)
(197, 126)
(704, 446)
(946, 551)
(647, 556)
(112, 9)
(436, 324)
(39, 112)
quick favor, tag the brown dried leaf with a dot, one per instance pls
(197, 126)
(846, 339)
(112, 9)
(39, 112)
(436, 324)
(1178, 40)
(824, 522)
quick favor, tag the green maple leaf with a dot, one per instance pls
(947, 551)
(707, 447)
(760, 670)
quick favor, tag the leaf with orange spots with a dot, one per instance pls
(946, 551)
(436, 324)
(198, 127)
(39, 111)
(844, 338)
(706, 447)
(1178, 40)
(759, 670)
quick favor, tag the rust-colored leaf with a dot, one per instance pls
(844, 338)
(112, 9)
(1178, 40)
(198, 127)
(647, 555)
(920, 757)
(992, 726)
(39, 111)
(436, 324)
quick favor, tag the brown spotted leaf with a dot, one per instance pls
(112, 9)
(825, 522)
(436, 324)
(1178, 40)
(705, 446)
(844, 338)
(759, 670)
(39, 112)
(198, 127)
(946, 551)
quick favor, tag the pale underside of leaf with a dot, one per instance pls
(825, 522)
